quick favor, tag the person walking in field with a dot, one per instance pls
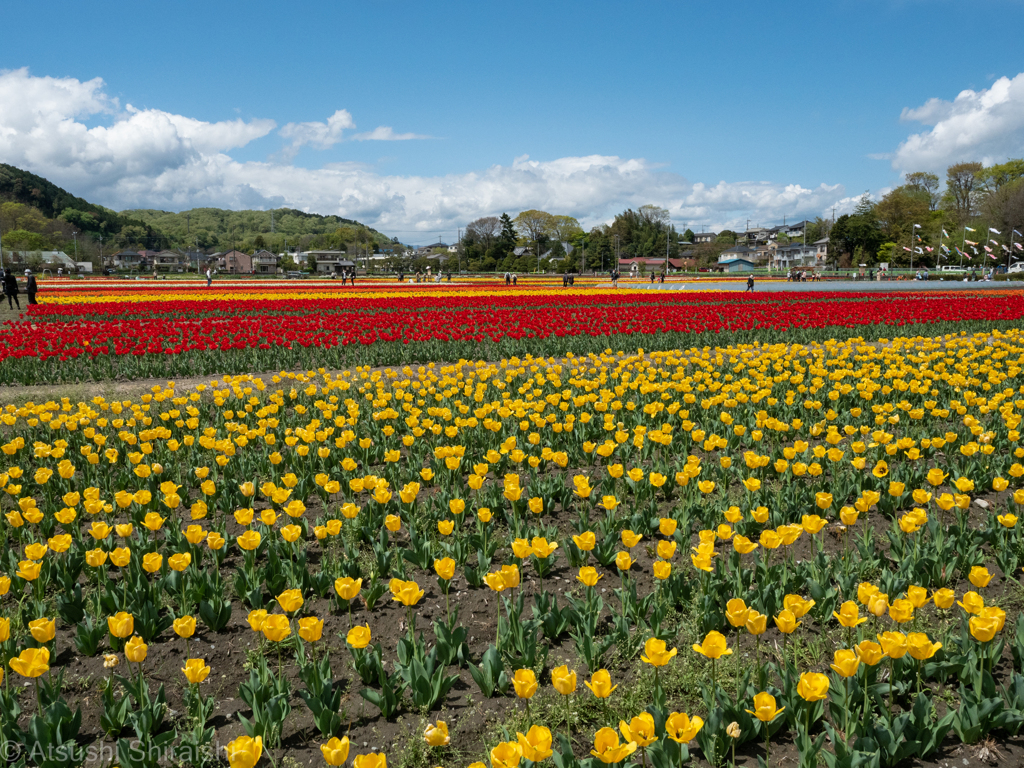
(209, 277)
(11, 289)
(750, 284)
(31, 288)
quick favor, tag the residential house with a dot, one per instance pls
(795, 255)
(753, 255)
(264, 263)
(705, 237)
(334, 266)
(735, 264)
(169, 261)
(234, 263)
(822, 249)
(758, 235)
(127, 260)
(335, 261)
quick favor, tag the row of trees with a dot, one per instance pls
(973, 198)
(541, 240)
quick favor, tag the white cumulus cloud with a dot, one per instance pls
(386, 133)
(986, 125)
(148, 158)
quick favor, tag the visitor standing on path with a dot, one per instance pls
(31, 288)
(11, 289)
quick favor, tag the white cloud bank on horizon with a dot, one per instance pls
(985, 126)
(153, 159)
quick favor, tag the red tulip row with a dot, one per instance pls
(325, 326)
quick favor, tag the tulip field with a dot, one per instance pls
(93, 330)
(486, 528)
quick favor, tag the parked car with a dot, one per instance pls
(295, 275)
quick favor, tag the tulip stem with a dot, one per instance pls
(846, 728)
(892, 674)
(568, 715)
(866, 699)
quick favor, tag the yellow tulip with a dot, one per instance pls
(184, 626)
(563, 680)
(335, 751)
(32, 662)
(845, 662)
(436, 735)
(640, 730)
(813, 686)
(445, 568)
(714, 645)
(525, 683)
(290, 600)
(757, 623)
(765, 708)
(600, 684)
(972, 602)
(979, 576)
(869, 652)
(901, 611)
(311, 629)
(920, 647)
(358, 636)
(195, 670)
(607, 748)
(121, 625)
(42, 630)
(588, 576)
(983, 629)
(244, 752)
(535, 744)
(797, 605)
(786, 622)
(743, 545)
(630, 539)
(681, 728)
(848, 615)
(136, 650)
(736, 612)
(276, 628)
(408, 593)
(507, 754)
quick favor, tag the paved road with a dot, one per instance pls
(833, 286)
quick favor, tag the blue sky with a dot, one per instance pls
(718, 111)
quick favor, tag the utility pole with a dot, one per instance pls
(271, 222)
(74, 234)
(101, 252)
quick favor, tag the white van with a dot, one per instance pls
(1014, 268)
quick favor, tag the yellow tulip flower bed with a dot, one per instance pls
(776, 553)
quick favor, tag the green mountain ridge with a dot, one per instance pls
(36, 214)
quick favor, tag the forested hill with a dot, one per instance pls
(53, 202)
(36, 214)
(217, 227)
